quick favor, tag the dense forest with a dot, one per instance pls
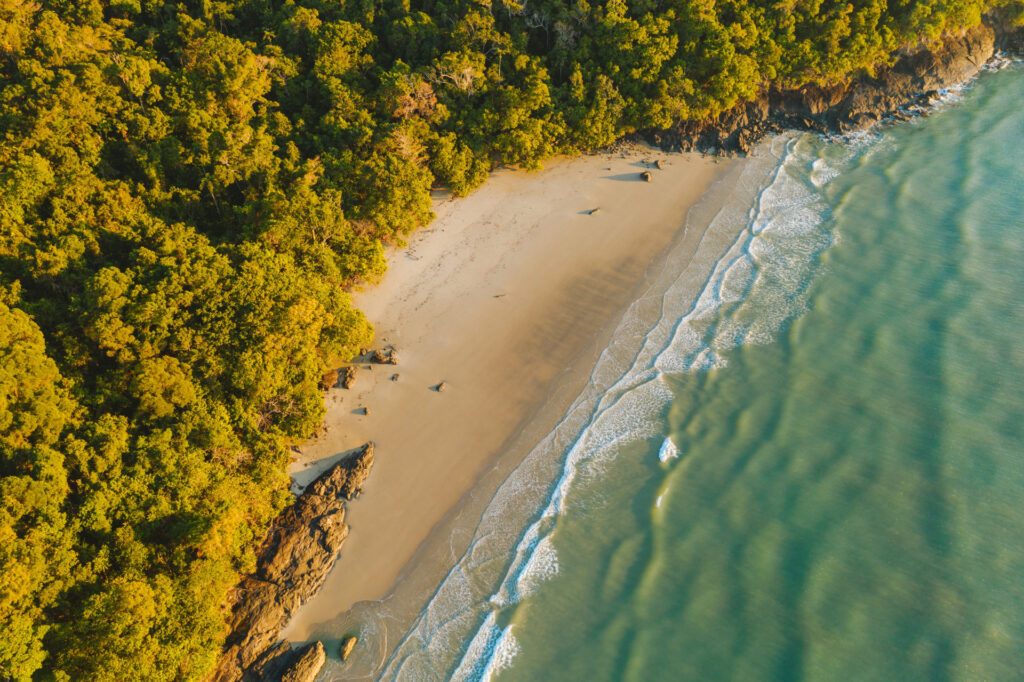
(190, 189)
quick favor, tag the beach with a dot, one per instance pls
(508, 297)
(331, 349)
(803, 465)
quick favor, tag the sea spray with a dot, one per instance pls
(668, 451)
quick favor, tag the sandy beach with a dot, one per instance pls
(508, 297)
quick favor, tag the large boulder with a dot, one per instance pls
(306, 665)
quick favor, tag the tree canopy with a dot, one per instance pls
(189, 192)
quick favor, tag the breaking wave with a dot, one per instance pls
(748, 278)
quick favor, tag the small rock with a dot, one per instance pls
(441, 387)
(646, 176)
(394, 377)
(594, 210)
(348, 643)
(366, 411)
(348, 377)
(659, 165)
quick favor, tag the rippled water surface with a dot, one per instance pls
(812, 470)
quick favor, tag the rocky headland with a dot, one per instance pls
(916, 77)
(292, 564)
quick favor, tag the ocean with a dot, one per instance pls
(802, 455)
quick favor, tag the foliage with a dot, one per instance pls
(189, 190)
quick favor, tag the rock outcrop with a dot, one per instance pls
(284, 664)
(387, 356)
(291, 566)
(306, 665)
(916, 76)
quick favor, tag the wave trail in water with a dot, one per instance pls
(751, 273)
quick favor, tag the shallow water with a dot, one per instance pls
(810, 470)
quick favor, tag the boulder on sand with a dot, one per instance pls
(348, 643)
(646, 176)
(348, 376)
(385, 357)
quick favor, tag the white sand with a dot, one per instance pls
(508, 297)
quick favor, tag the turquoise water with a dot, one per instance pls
(812, 470)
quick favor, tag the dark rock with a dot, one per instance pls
(385, 357)
(1009, 34)
(291, 565)
(281, 663)
(846, 107)
(394, 377)
(273, 662)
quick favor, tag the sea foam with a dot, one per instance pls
(758, 260)
(667, 451)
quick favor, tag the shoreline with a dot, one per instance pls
(316, 457)
(511, 370)
(898, 92)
